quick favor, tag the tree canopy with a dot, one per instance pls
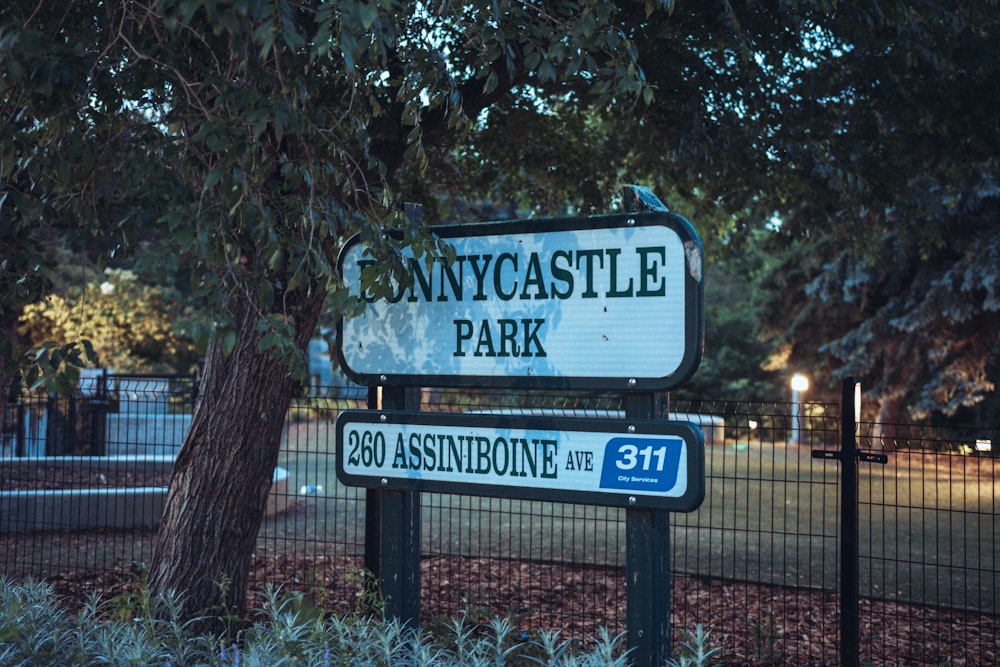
(896, 209)
(860, 138)
(251, 138)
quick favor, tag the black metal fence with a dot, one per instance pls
(759, 563)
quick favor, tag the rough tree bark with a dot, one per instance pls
(223, 473)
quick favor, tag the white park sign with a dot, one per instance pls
(606, 302)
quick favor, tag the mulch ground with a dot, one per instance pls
(755, 625)
(46, 477)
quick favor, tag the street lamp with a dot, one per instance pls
(800, 384)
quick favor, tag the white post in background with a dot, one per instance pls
(800, 384)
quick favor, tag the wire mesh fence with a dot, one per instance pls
(929, 537)
(757, 562)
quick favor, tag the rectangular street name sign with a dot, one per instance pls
(626, 463)
(606, 302)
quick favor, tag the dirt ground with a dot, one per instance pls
(45, 477)
(754, 625)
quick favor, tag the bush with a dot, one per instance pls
(35, 630)
(133, 328)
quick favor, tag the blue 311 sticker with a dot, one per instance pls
(641, 464)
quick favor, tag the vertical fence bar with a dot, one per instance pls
(52, 434)
(21, 440)
(849, 559)
(99, 406)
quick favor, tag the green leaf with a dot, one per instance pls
(367, 14)
(295, 280)
(228, 343)
(280, 119)
(293, 39)
(214, 176)
(491, 83)
(265, 35)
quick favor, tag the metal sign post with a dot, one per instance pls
(392, 531)
(392, 518)
(647, 567)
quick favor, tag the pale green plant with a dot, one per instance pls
(765, 641)
(139, 629)
(696, 650)
(131, 327)
(370, 599)
(553, 650)
(31, 631)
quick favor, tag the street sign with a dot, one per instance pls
(627, 463)
(605, 302)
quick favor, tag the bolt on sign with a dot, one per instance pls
(639, 463)
(603, 302)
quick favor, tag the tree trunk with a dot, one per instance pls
(223, 473)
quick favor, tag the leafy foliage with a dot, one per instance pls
(817, 134)
(257, 134)
(252, 137)
(35, 630)
(733, 362)
(883, 261)
(928, 333)
(696, 649)
(130, 327)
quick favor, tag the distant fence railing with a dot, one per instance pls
(758, 562)
(107, 414)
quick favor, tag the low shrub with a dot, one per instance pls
(36, 630)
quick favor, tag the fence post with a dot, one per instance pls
(53, 434)
(849, 456)
(98, 417)
(392, 532)
(647, 532)
(16, 401)
(647, 562)
(21, 442)
(849, 579)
